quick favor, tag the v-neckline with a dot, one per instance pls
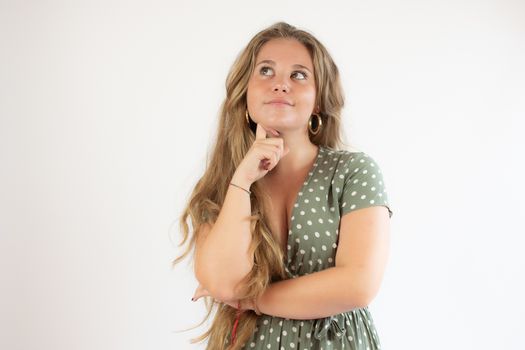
(295, 205)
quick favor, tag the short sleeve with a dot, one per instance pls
(364, 185)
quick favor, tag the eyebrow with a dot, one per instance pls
(270, 62)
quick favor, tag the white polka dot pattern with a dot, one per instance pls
(338, 182)
(363, 184)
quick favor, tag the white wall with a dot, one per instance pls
(106, 111)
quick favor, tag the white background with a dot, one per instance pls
(106, 113)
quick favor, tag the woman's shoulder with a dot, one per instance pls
(343, 154)
(343, 163)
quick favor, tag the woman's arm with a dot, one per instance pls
(354, 281)
(317, 295)
(221, 252)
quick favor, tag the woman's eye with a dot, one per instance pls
(263, 69)
(303, 73)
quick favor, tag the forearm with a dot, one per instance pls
(224, 257)
(317, 295)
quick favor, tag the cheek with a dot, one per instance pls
(312, 92)
(308, 96)
(249, 97)
(252, 92)
(253, 84)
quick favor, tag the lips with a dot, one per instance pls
(280, 101)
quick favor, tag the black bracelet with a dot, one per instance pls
(249, 192)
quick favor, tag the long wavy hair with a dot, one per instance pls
(233, 139)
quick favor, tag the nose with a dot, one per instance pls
(280, 84)
(278, 87)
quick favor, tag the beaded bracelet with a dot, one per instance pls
(249, 192)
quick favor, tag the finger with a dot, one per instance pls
(270, 132)
(270, 156)
(270, 161)
(273, 163)
(234, 304)
(265, 164)
(231, 303)
(273, 147)
(278, 141)
(200, 292)
(260, 132)
(266, 148)
(200, 288)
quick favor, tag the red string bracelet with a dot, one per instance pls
(234, 332)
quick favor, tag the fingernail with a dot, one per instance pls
(192, 299)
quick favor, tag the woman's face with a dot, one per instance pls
(283, 70)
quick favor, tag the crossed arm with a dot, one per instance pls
(352, 283)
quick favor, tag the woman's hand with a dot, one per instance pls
(245, 304)
(262, 157)
(200, 292)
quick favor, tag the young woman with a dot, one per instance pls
(290, 231)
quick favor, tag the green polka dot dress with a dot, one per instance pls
(339, 182)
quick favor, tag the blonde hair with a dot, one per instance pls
(232, 141)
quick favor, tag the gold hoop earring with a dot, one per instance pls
(247, 118)
(319, 124)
